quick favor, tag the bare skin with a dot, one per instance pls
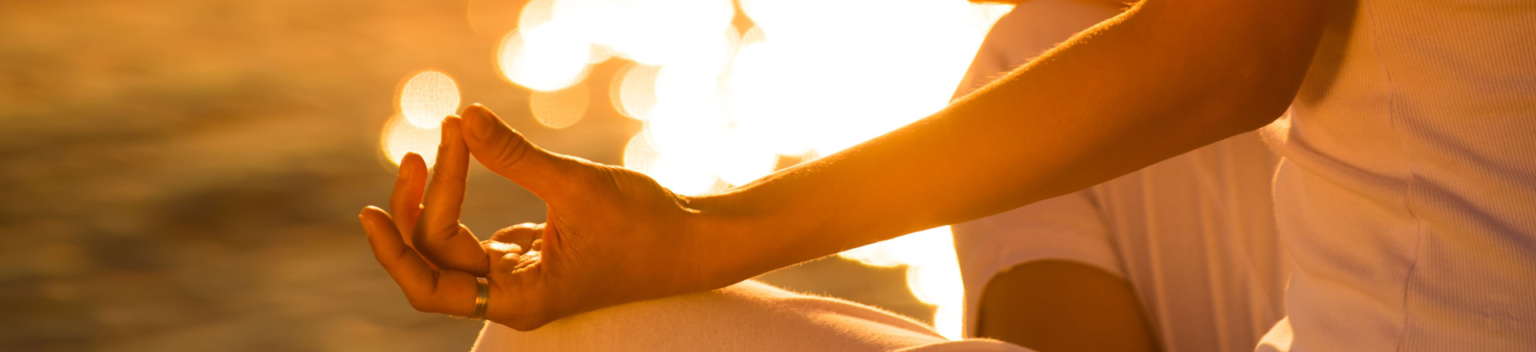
(1116, 3)
(1079, 115)
(1064, 306)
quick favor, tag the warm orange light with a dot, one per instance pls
(427, 98)
(633, 92)
(547, 58)
(686, 173)
(813, 77)
(742, 157)
(561, 108)
(685, 128)
(933, 273)
(779, 92)
(658, 32)
(536, 13)
(639, 155)
(400, 137)
(489, 17)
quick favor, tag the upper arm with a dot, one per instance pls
(1258, 52)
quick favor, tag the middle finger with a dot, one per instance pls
(438, 234)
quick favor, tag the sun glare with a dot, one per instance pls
(546, 58)
(684, 173)
(720, 106)
(741, 157)
(658, 32)
(933, 272)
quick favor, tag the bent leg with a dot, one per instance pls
(1064, 306)
(748, 316)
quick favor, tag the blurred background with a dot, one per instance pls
(185, 175)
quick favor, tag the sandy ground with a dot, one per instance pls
(185, 175)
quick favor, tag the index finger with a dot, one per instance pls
(405, 199)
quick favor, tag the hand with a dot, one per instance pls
(611, 236)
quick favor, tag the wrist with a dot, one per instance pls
(728, 239)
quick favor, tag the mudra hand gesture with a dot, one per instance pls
(611, 236)
(614, 236)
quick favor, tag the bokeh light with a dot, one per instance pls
(549, 57)
(658, 32)
(678, 128)
(933, 272)
(781, 91)
(561, 108)
(633, 91)
(489, 17)
(536, 13)
(741, 157)
(639, 155)
(400, 137)
(427, 98)
(721, 106)
(683, 173)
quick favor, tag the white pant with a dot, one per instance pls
(748, 316)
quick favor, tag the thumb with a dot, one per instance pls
(505, 152)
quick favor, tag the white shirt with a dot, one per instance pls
(1194, 235)
(1407, 195)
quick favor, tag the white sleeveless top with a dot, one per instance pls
(1194, 235)
(1407, 194)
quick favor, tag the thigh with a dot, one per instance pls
(749, 316)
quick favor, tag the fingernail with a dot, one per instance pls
(446, 134)
(405, 168)
(409, 170)
(472, 106)
(478, 127)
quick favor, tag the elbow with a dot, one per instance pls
(1260, 113)
(1256, 64)
(1267, 99)
(1235, 109)
(1260, 91)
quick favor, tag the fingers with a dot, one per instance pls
(507, 247)
(445, 193)
(505, 256)
(447, 292)
(507, 153)
(521, 234)
(438, 234)
(405, 200)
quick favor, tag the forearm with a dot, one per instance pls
(1162, 79)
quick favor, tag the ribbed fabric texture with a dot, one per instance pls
(1407, 197)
